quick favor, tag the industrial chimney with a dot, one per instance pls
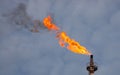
(91, 66)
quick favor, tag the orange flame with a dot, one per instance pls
(71, 44)
(48, 23)
(64, 40)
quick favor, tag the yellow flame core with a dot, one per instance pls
(64, 40)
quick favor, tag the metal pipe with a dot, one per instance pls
(91, 67)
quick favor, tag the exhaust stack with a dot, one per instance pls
(91, 67)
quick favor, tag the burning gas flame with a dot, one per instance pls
(64, 39)
(48, 23)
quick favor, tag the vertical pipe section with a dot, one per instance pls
(91, 67)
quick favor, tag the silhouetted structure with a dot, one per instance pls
(91, 67)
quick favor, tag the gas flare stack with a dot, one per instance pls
(91, 68)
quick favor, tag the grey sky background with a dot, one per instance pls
(93, 23)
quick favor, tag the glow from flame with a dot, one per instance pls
(64, 39)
